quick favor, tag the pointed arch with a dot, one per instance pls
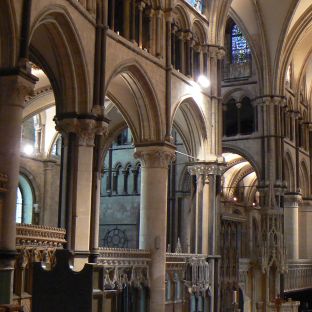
(304, 179)
(130, 89)
(55, 46)
(199, 32)
(190, 122)
(289, 173)
(181, 18)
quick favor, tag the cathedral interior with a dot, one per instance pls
(155, 155)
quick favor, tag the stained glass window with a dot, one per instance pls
(239, 46)
(199, 5)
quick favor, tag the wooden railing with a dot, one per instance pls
(299, 275)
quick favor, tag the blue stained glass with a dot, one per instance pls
(197, 4)
(240, 47)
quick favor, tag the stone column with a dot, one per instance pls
(199, 221)
(76, 183)
(141, 6)
(153, 215)
(159, 38)
(206, 223)
(126, 18)
(14, 86)
(49, 211)
(101, 130)
(291, 224)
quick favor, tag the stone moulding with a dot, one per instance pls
(38, 235)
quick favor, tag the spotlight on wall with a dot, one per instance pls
(28, 149)
(203, 81)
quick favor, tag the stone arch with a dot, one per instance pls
(289, 173)
(296, 37)
(130, 89)
(190, 122)
(228, 148)
(8, 47)
(55, 46)
(199, 32)
(304, 179)
(181, 18)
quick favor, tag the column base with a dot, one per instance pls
(93, 256)
(81, 257)
(7, 260)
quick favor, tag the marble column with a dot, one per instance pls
(153, 215)
(14, 86)
(76, 183)
(291, 224)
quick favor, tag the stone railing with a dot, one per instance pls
(124, 267)
(187, 276)
(299, 275)
(34, 243)
(28, 235)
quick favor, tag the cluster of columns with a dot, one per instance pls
(153, 215)
(134, 20)
(188, 56)
(205, 219)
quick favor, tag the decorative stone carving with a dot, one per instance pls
(155, 156)
(28, 235)
(273, 249)
(197, 275)
(86, 129)
(124, 267)
(205, 169)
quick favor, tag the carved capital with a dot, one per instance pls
(205, 169)
(84, 128)
(15, 88)
(216, 52)
(155, 156)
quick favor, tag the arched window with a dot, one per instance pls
(240, 51)
(24, 201)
